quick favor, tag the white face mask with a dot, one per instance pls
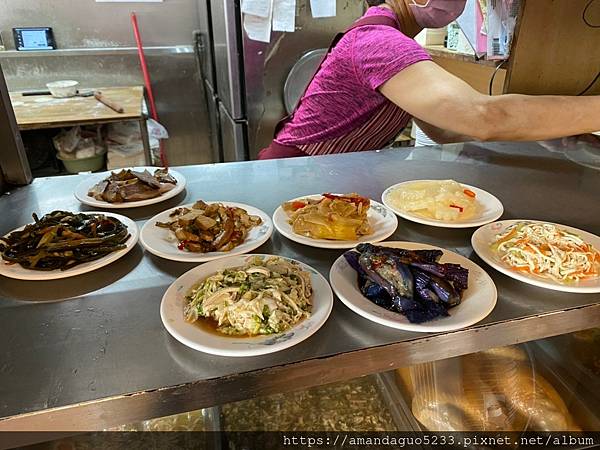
(437, 13)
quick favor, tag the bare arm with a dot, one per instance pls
(437, 97)
(442, 136)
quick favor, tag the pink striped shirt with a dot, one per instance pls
(343, 110)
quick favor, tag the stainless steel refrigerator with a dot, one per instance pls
(244, 79)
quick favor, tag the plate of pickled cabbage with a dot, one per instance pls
(413, 287)
(334, 220)
(442, 203)
(246, 305)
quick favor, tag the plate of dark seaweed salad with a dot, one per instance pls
(63, 244)
(413, 287)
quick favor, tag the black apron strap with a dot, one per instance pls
(371, 20)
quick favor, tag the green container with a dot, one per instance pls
(83, 165)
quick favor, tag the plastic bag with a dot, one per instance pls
(123, 133)
(502, 19)
(79, 142)
(126, 155)
(67, 140)
(85, 149)
(494, 390)
(156, 130)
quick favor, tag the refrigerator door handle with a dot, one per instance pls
(200, 46)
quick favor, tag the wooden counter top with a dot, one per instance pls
(45, 111)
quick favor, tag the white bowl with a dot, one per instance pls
(63, 88)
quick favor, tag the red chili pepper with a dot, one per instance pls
(298, 205)
(469, 193)
(460, 208)
(346, 198)
(181, 245)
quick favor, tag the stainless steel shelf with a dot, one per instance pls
(90, 352)
(94, 51)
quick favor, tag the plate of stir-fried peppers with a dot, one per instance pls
(62, 244)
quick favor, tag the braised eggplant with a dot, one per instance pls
(410, 282)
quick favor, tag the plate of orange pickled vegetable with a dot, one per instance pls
(334, 220)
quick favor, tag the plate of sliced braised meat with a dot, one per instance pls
(413, 287)
(203, 231)
(130, 188)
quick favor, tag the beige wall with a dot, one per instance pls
(85, 23)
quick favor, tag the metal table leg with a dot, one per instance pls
(146, 141)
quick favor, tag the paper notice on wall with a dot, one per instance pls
(284, 15)
(259, 8)
(322, 8)
(258, 28)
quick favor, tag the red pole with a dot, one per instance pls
(147, 82)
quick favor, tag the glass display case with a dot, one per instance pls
(545, 385)
(548, 385)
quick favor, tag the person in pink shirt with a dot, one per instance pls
(375, 78)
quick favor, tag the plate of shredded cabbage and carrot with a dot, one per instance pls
(543, 254)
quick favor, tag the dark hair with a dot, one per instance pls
(374, 2)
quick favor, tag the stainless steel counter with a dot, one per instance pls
(91, 352)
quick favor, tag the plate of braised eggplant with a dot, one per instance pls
(413, 287)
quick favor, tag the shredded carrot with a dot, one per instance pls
(549, 252)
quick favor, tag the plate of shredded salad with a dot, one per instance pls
(543, 254)
(246, 305)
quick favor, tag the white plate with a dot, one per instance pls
(382, 220)
(155, 239)
(484, 237)
(20, 273)
(491, 210)
(478, 300)
(90, 180)
(171, 313)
